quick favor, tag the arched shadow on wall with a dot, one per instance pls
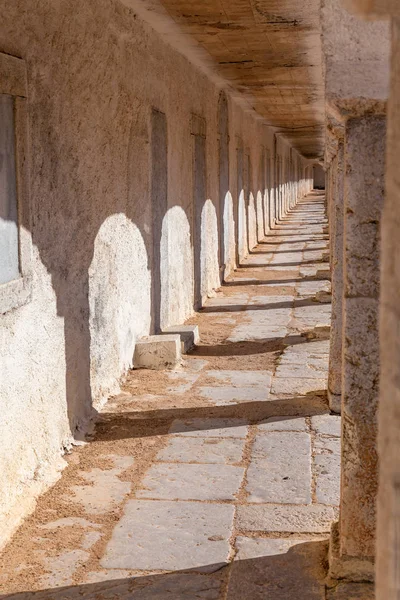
(67, 234)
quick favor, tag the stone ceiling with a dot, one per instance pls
(268, 51)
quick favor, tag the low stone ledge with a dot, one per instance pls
(189, 335)
(158, 352)
(347, 568)
(352, 591)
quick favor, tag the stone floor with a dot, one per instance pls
(219, 480)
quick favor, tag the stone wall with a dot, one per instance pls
(117, 120)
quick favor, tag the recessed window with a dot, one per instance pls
(9, 243)
(15, 224)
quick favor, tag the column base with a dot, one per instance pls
(158, 352)
(348, 568)
(335, 402)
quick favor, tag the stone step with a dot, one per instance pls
(158, 352)
(189, 334)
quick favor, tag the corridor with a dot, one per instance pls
(220, 479)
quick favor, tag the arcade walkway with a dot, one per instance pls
(224, 472)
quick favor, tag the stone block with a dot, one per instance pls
(158, 352)
(189, 334)
(170, 536)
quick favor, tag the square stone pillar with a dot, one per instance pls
(336, 246)
(353, 545)
(327, 194)
(388, 523)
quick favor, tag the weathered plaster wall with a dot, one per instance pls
(95, 73)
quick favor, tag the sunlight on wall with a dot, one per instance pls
(242, 226)
(119, 300)
(229, 234)
(209, 249)
(176, 268)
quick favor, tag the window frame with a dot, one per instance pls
(13, 82)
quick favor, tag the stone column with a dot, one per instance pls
(388, 543)
(336, 249)
(353, 544)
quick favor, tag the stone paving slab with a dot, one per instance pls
(310, 288)
(292, 572)
(280, 468)
(192, 363)
(311, 349)
(248, 548)
(280, 518)
(170, 536)
(60, 569)
(243, 378)
(104, 489)
(325, 444)
(317, 312)
(306, 353)
(210, 427)
(243, 333)
(207, 450)
(301, 371)
(270, 314)
(172, 481)
(283, 424)
(327, 469)
(221, 300)
(184, 381)
(225, 395)
(277, 304)
(173, 586)
(297, 386)
(327, 424)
